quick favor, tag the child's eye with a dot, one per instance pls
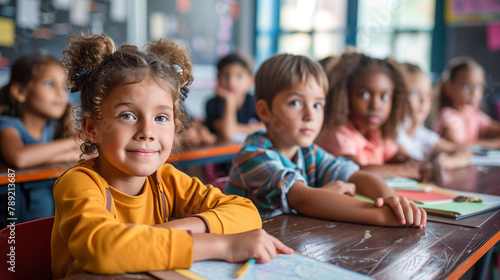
(318, 106)
(415, 92)
(466, 86)
(127, 116)
(385, 97)
(162, 118)
(295, 103)
(365, 95)
(49, 84)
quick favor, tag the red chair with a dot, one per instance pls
(32, 250)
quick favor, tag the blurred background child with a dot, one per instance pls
(367, 101)
(196, 134)
(231, 114)
(457, 116)
(414, 138)
(36, 128)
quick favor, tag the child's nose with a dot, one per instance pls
(373, 103)
(308, 113)
(146, 131)
(61, 90)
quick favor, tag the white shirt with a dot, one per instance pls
(418, 145)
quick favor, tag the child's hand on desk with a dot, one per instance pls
(257, 244)
(239, 247)
(340, 187)
(407, 212)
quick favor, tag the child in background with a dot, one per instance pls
(113, 211)
(457, 114)
(231, 114)
(418, 141)
(283, 171)
(36, 119)
(196, 134)
(35, 128)
(368, 100)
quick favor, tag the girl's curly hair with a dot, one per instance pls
(95, 67)
(343, 70)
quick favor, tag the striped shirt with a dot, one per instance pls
(263, 174)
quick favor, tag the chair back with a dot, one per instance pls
(25, 250)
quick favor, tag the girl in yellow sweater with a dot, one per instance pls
(125, 210)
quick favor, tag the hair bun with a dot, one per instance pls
(85, 53)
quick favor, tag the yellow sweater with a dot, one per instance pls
(123, 240)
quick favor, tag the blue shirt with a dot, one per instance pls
(48, 132)
(264, 175)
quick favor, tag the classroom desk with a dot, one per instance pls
(439, 251)
(34, 174)
(218, 153)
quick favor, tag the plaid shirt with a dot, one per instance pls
(264, 175)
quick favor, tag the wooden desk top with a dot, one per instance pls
(480, 179)
(439, 251)
(213, 154)
(34, 174)
(436, 252)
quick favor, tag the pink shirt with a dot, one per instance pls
(466, 125)
(347, 141)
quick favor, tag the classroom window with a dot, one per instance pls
(397, 28)
(315, 28)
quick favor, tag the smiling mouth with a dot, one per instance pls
(142, 153)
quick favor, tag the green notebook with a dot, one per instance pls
(458, 210)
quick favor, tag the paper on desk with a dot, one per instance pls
(483, 156)
(485, 160)
(403, 183)
(294, 266)
(430, 197)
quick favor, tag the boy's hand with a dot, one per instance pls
(407, 212)
(340, 187)
(257, 244)
(224, 93)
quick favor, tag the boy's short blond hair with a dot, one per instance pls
(281, 71)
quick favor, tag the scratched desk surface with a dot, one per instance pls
(436, 252)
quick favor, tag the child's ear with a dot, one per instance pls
(88, 127)
(263, 111)
(18, 92)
